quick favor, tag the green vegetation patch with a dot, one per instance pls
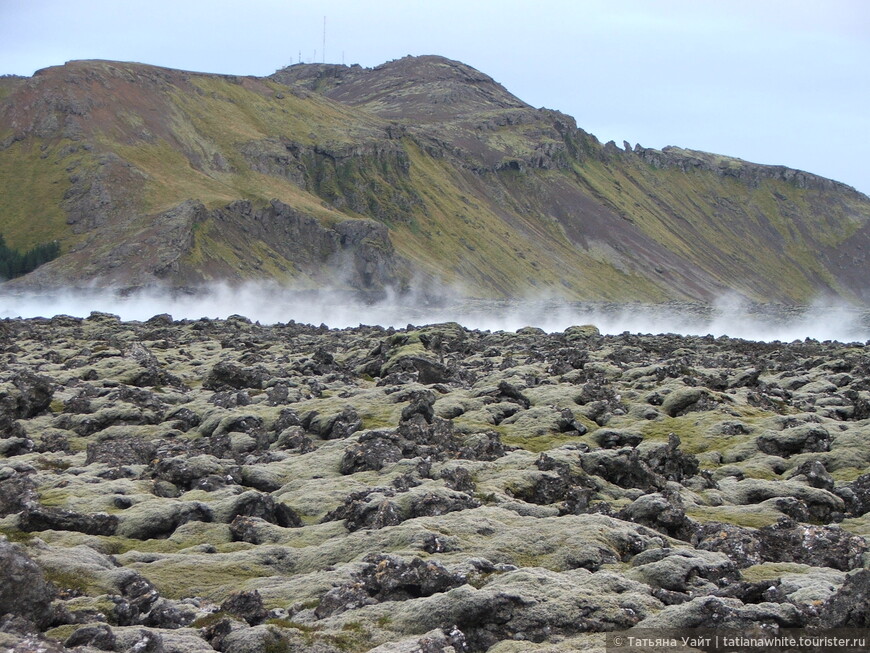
(772, 571)
(753, 516)
(33, 180)
(181, 575)
(694, 433)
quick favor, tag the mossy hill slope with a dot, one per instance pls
(422, 170)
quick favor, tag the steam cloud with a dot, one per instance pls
(270, 304)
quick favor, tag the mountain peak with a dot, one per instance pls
(422, 88)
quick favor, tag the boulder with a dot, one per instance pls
(24, 590)
(247, 606)
(819, 546)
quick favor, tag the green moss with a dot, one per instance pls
(180, 576)
(848, 473)
(68, 580)
(747, 516)
(772, 571)
(56, 464)
(54, 497)
(353, 639)
(381, 416)
(61, 633)
(694, 431)
(33, 181)
(17, 536)
(210, 619)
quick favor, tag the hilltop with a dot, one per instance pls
(421, 171)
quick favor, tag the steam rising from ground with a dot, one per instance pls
(270, 304)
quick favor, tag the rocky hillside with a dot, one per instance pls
(422, 171)
(192, 486)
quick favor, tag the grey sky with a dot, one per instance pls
(773, 81)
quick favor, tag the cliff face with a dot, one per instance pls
(422, 168)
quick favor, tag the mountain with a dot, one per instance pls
(420, 172)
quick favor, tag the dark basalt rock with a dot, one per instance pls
(558, 484)
(730, 615)
(230, 398)
(425, 370)
(31, 394)
(189, 472)
(597, 511)
(483, 446)
(662, 511)
(23, 589)
(859, 497)
(849, 607)
(294, 439)
(598, 400)
(431, 504)
(121, 451)
(814, 473)
(373, 451)
(420, 403)
(139, 597)
(763, 591)
(263, 506)
(360, 510)
(226, 375)
(622, 467)
(148, 641)
(171, 518)
(183, 419)
(98, 636)
(740, 544)
(613, 439)
(810, 438)
(343, 598)
(818, 546)
(38, 518)
(16, 493)
(169, 615)
(247, 606)
(670, 463)
(388, 578)
(334, 426)
(106, 417)
(459, 479)
(248, 529)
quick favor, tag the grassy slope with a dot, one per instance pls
(33, 181)
(770, 233)
(463, 235)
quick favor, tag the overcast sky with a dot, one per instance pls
(773, 81)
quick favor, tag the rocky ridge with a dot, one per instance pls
(221, 485)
